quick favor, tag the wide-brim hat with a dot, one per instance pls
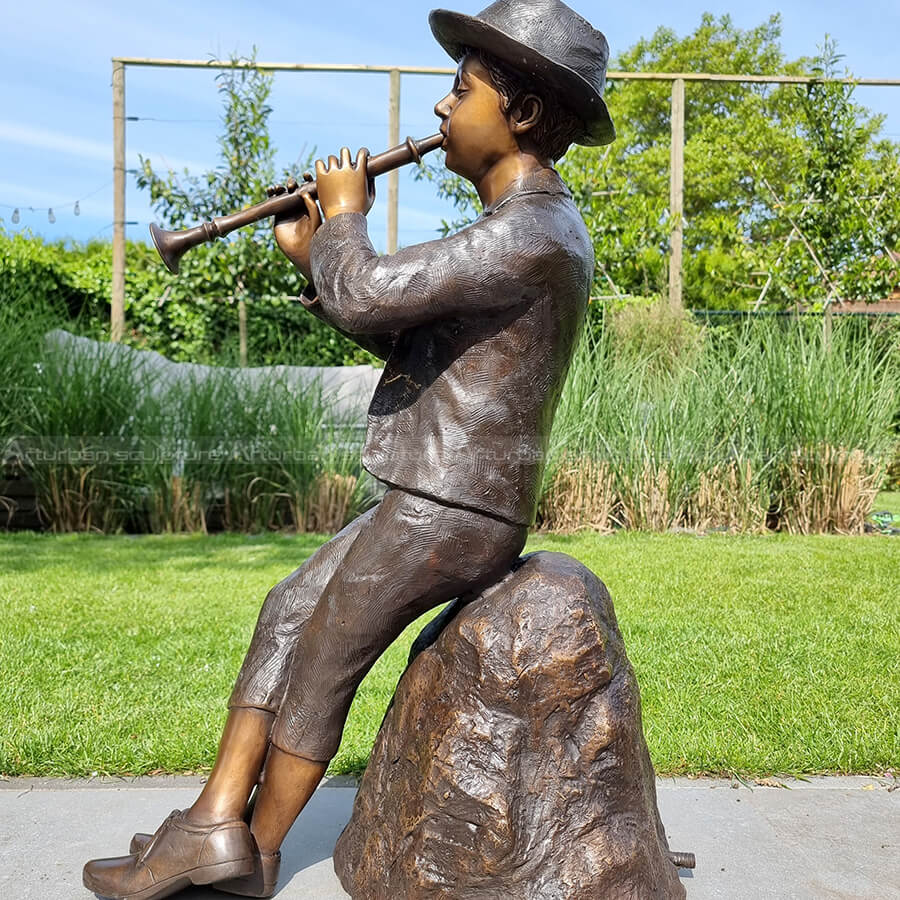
(546, 40)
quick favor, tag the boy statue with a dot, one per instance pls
(477, 331)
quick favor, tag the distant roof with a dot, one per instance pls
(891, 305)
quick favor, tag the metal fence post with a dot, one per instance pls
(393, 177)
(117, 309)
(676, 194)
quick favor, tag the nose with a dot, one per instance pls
(442, 107)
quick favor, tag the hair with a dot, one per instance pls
(556, 129)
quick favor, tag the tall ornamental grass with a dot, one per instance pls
(81, 428)
(110, 448)
(771, 425)
(256, 457)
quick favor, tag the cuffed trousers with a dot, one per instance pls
(322, 628)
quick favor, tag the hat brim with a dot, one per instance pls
(457, 32)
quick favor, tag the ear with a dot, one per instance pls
(526, 114)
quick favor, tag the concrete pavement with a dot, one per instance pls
(823, 839)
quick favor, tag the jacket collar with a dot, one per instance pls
(539, 181)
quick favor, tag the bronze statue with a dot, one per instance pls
(477, 331)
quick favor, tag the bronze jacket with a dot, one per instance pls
(477, 330)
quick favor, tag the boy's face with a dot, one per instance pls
(477, 132)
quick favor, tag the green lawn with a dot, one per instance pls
(754, 654)
(889, 501)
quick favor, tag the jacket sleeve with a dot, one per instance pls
(380, 345)
(487, 266)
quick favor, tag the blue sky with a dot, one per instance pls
(55, 119)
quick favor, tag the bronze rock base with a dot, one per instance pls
(512, 764)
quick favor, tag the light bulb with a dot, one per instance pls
(15, 216)
(77, 209)
(50, 217)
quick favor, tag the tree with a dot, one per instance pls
(844, 209)
(753, 154)
(734, 134)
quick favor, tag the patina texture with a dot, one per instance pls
(457, 415)
(512, 763)
(458, 427)
(322, 628)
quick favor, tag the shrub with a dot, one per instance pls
(181, 317)
(579, 495)
(109, 448)
(827, 488)
(652, 331)
(768, 424)
(81, 421)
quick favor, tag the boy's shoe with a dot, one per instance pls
(139, 840)
(177, 855)
(261, 883)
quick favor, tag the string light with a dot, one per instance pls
(51, 215)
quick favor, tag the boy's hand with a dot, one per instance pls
(294, 231)
(344, 186)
